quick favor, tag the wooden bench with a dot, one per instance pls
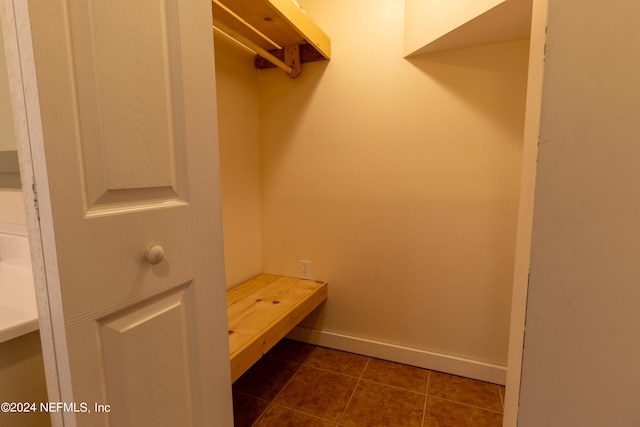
(262, 311)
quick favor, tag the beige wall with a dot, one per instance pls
(11, 205)
(22, 379)
(7, 134)
(239, 131)
(399, 180)
(581, 353)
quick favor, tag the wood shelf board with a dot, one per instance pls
(262, 311)
(282, 21)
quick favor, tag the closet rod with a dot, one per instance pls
(248, 43)
(257, 49)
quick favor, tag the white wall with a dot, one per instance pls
(399, 180)
(580, 365)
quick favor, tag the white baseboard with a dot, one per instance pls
(409, 356)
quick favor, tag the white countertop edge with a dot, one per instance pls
(25, 326)
(17, 229)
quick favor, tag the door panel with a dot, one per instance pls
(145, 361)
(123, 52)
(129, 146)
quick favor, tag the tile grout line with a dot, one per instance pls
(353, 392)
(331, 371)
(306, 414)
(467, 404)
(251, 396)
(426, 396)
(366, 379)
(396, 387)
(262, 413)
(272, 402)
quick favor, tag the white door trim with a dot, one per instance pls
(525, 211)
(27, 121)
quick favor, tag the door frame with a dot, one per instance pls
(16, 27)
(535, 75)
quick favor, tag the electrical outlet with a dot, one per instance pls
(305, 269)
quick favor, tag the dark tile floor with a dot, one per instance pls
(298, 384)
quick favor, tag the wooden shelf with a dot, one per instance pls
(262, 311)
(268, 27)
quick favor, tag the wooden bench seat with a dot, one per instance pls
(262, 311)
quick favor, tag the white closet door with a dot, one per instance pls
(125, 158)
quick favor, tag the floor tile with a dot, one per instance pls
(278, 416)
(293, 351)
(337, 361)
(266, 378)
(247, 409)
(397, 375)
(377, 405)
(318, 392)
(298, 384)
(465, 390)
(444, 413)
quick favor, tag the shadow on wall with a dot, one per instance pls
(503, 64)
(279, 94)
(9, 169)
